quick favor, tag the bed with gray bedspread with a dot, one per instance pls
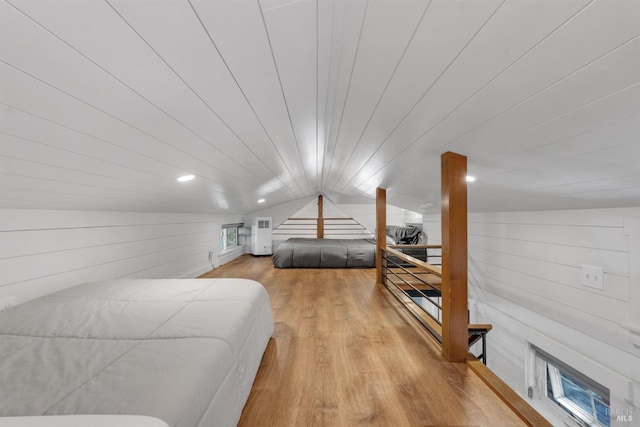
(183, 351)
(325, 253)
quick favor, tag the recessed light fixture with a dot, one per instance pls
(470, 178)
(185, 178)
(261, 201)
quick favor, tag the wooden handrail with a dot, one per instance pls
(414, 261)
(325, 218)
(415, 247)
(513, 400)
(486, 327)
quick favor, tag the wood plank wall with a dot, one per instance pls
(43, 251)
(525, 279)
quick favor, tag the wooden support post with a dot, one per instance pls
(320, 226)
(454, 257)
(381, 229)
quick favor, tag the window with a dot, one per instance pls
(229, 236)
(585, 400)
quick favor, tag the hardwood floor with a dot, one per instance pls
(344, 353)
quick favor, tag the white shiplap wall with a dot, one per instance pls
(278, 214)
(525, 279)
(365, 214)
(42, 251)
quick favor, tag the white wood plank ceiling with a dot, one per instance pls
(106, 103)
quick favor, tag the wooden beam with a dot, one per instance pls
(381, 229)
(320, 218)
(455, 317)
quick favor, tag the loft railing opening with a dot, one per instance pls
(452, 309)
(437, 294)
(418, 286)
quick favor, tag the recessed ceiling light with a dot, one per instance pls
(470, 178)
(261, 201)
(185, 178)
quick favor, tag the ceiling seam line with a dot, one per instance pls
(318, 189)
(110, 142)
(328, 107)
(93, 106)
(523, 101)
(519, 103)
(577, 170)
(584, 181)
(75, 194)
(633, 116)
(197, 96)
(588, 64)
(88, 227)
(114, 118)
(284, 98)
(89, 173)
(80, 184)
(587, 104)
(483, 86)
(532, 96)
(224, 61)
(600, 190)
(455, 58)
(384, 91)
(53, 147)
(539, 124)
(346, 96)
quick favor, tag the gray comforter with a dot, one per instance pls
(325, 253)
(184, 351)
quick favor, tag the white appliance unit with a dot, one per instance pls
(261, 241)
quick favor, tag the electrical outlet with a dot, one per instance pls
(593, 277)
(7, 302)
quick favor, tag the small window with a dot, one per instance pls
(585, 400)
(229, 236)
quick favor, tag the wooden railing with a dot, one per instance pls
(453, 331)
(433, 253)
(418, 286)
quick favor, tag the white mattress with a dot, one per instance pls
(183, 351)
(83, 421)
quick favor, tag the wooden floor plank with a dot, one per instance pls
(346, 353)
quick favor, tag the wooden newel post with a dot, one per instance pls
(320, 225)
(381, 229)
(455, 321)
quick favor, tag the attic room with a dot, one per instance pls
(141, 144)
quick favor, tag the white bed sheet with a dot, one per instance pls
(83, 421)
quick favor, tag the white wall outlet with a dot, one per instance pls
(7, 302)
(593, 277)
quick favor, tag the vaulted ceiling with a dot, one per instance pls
(106, 103)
